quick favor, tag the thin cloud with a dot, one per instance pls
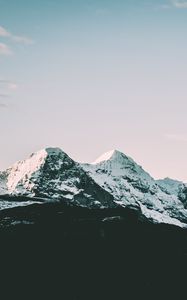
(4, 96)
(22, 39)
(3, 105)
(177, 137)
(4, 81)
(12, 86)
(8, 83)
(4, 32)
(16, 38)
(5, 50)
(173, 4)
(179, 4)
(164, 6)
(7, 88)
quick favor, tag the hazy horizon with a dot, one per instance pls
(90, 76)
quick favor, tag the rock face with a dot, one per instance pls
(3, 182)
(51, 173)
(174, 187)
(170, 186)
(130, 184)
(114, 179)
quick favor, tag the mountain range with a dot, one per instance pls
(113, 180)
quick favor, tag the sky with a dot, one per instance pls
(89, 76)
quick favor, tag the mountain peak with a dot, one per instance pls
(44, 153)
(114, 178)
(53, 150)
(23, 171)
(47, 151)
(110, 155)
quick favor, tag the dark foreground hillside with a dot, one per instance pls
(59, 252)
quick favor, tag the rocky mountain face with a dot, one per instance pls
(130, 184)
(174, 187)
(113, 180)
(52, 174)
(169, 185)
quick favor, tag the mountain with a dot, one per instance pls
(174, 187)
(130, 184)
(170, 186)
(113, 180)
(3, 183)
(52, 174)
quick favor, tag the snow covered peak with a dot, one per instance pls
(36, 160)
(110, 155)
(113, 178)
(120, 175)
(119, 164)
(25, 168)
(21, 172)
(53, 151)
(47, 151)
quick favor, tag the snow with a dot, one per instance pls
(22, 170)
(53, 151)
(116, 173)
(10, 204)
(158, 217)
(67, 186)
(24, 175)
(170, 185)
(3, 189)
(106, 156)
(113, 171)
(114, 218)
(3, 181)
(14, 223)
(130, 184)
(69, 196)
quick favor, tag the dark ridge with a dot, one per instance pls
(57, 251)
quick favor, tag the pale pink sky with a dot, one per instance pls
(90, 76)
